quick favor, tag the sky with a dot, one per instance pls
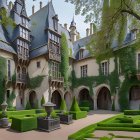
(65, 13)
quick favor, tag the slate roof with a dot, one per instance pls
(5, 42)
(82, 43)
(40, 21)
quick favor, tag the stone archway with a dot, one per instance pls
(134, 97)
(68, 99)
(32, 99)
(104, 99)
(85, 98)
(56, 99)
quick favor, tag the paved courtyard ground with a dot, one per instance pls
(61, 134)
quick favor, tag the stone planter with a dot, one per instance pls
(4, 122)
(65, 119)
(48, 124)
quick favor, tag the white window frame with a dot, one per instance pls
(105, 68)
(84, 71)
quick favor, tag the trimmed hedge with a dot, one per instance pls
(63, 106)
(75, 106)
(37, 111)
(23, 124)
(85, 103)
(125, 120)
(85, 109)
(19, 113)
(115, 125)
(132, 112)
(118, 129)
(78, 115)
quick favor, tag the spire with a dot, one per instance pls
(3, 4)
(73, 23)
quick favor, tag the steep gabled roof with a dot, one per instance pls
(5, 41)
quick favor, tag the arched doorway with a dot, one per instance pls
(32, 99)
(68, 99)
(85, 99)
(134, 97)
(56, 99)
(104, 99)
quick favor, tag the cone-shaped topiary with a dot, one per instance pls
(75, 107)
(63, 106)
(28, 106)
(36, 105)
(42, 101)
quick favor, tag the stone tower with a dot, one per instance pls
(73, 31)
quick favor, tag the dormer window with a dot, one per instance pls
(81, 54)
(55, 22)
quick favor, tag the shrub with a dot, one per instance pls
(132, 112)
(28, 106)
(85, 103)
(125, 120)
(23, 124)
(36, 105)
(75, 106)
(42, 101)
(63, 106)
(118, 129)
(78, 115)
(115, 124)
(85, 109)
(20, 113)
(37, 111)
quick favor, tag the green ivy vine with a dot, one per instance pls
(112, 79)
(35, 82)
(125, 64)
(3, 69)
(64, 66)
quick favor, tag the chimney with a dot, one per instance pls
(40, 4)
(78, 36)
(33, 9)
(66, 26)
(87, 31)
(91, 28)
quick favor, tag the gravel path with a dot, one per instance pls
(61, 134)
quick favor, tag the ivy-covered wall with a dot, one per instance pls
(34, 82)
(3, 70)
(64, 66)
(125, 64)
(112, 79)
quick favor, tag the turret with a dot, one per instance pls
(73, 32)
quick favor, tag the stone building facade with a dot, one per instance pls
(32, 51)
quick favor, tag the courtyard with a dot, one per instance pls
(60, 134)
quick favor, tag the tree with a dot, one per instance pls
(5, 20)
(111, 19)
